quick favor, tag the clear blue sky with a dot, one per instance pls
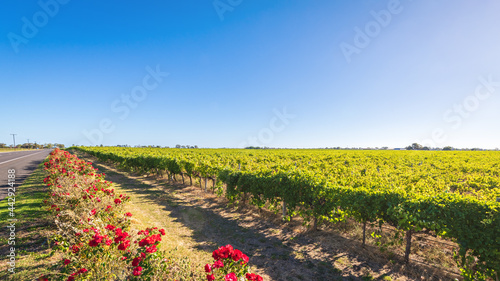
(268, 73)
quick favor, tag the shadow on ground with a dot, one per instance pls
(299, 258)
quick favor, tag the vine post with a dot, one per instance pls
(364, 234)
(408, 245)
(283, 209)
(314, 226)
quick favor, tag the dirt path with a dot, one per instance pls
(199, 222)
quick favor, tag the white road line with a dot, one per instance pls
(19, 157)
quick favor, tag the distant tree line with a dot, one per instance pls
(413, 146)
(149, 146)
(34, 145)
(416, 146)
(185, 146)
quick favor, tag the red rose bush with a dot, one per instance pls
(93, 229)
(94, 233)
(229, 265)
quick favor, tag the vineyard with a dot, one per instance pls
(451, 194)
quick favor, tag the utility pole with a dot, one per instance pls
(14, 138)
(28, 142)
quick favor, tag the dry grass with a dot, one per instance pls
(13, 149)
(150, 206)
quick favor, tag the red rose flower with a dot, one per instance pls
(83, 270)
(75, 249)
(96, 240)
(231, 277)
(253, 277)
(136, 261)
(223, 252)
(151, 249)
(137, 271)
(120, 236)
(237, 255)
(245, 259)
(124, 245)
(110, 227)
(208, 267)
(218, 264)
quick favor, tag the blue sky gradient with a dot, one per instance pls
(266, 73)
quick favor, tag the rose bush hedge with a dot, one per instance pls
(95, 236)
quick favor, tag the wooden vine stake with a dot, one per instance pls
(314, 226)
(205, 184)
(408, 246)
(283, 209)
(244, 199)
(364, 234)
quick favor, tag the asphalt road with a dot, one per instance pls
(23, 162)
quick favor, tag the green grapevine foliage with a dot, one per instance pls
(453, 193)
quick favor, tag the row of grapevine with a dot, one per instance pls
(453, 194)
